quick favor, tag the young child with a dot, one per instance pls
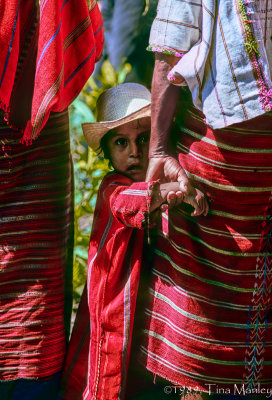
(124, 207)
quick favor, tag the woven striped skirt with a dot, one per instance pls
(209, 320)
(36, 220)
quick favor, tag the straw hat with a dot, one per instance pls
(116, 107)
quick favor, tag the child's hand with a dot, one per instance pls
(169, 195)
(173, 199)
(166, 195)
(197, 200)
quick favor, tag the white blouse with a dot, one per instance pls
(225, 51)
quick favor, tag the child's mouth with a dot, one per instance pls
(135, 168)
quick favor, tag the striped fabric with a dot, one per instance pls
(114, 263)
(36, 217)
(223, 47)
(68, 39)
(209, 322)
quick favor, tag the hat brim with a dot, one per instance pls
(94, 131)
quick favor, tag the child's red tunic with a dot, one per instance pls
(113, 277)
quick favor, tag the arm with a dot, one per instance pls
(133, 204)
(162, 164)
(164, 99)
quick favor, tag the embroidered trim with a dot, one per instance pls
(252, 49)
(176, 79)
(164, 50)
(98, 364)
(261, 298)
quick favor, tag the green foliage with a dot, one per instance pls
(89, 168)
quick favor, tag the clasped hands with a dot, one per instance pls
(168, 170)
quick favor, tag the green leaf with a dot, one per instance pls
(83, 110)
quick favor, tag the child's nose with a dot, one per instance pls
(134, 149)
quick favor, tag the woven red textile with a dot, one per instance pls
(209, 322)
(69, 38)
(113, 277)
(36, 202)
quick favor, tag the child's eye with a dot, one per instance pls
(121, 142)
(144, 138)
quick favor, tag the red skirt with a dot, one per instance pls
(209, 321)
(36, 220)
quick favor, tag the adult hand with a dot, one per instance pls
(167, 169)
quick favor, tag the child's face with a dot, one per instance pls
(128, 148)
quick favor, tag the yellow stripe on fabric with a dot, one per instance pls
(21, 339)
(211, 264)
(192, 355)
(231, 129)
(222, 165)
(163, 319)
(46, 100)
(40, 186)
(28, 202)
(76, 33)
(216, 249)
(27, 267)
(216, 232)
(42, 245)
(198, 297)
(225, 146)
(201, 377)
(201, 279)
(198, 318)
(236, 217)
(230, 188)
(251, 131)
(52, 230)
(51, 257)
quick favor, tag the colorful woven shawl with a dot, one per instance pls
(62, 40)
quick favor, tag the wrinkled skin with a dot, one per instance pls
(162, 164)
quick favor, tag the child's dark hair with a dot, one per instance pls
(104, 145)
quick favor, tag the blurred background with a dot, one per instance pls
(125, 59)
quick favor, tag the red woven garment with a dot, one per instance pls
(68, 37)
(114, 264)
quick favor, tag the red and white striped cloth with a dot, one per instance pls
(36, 235)
(114, 264)
(209, 322)
(48, 49)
